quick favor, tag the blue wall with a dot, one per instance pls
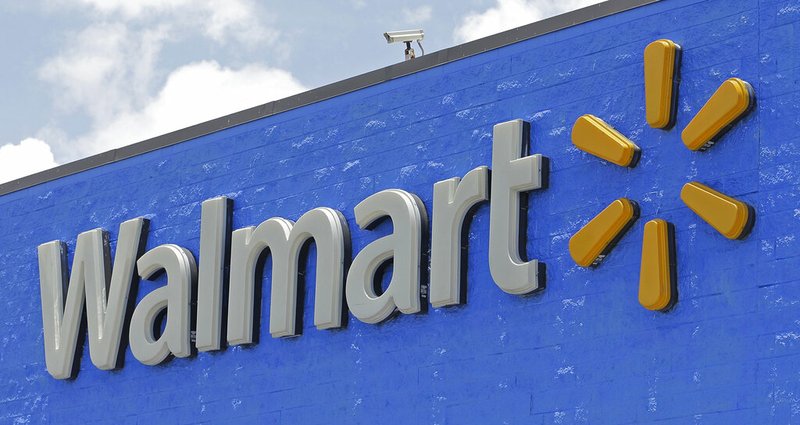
(582, 351)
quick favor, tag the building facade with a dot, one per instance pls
(571, 344)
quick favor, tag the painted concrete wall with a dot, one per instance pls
(581, 351)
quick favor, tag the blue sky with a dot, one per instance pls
(81, 77)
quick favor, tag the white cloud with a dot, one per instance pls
(507, 14)
(110, 76)
(218, 19)
(109, 72)
(418, 15)
(192, 94)
(27, 157)
(107, 69)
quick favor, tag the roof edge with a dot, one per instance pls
(434, 59)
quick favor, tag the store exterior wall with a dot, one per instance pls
(582, 350)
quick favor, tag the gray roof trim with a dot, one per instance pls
(371, 78)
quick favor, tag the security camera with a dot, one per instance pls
(407, 37)
(404, 36)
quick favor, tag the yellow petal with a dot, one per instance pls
(656, 278)
(661, 59)
(592, 135)
(731, 100)
(589, 245)
(731, 217)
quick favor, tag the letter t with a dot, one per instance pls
(512, 172)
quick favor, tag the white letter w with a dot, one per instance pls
(105, 291)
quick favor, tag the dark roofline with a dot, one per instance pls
(371, 78)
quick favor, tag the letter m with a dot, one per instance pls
(93, 283)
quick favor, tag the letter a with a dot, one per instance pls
(181, 270)
(404, 245)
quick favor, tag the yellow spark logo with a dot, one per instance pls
(729, 216)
